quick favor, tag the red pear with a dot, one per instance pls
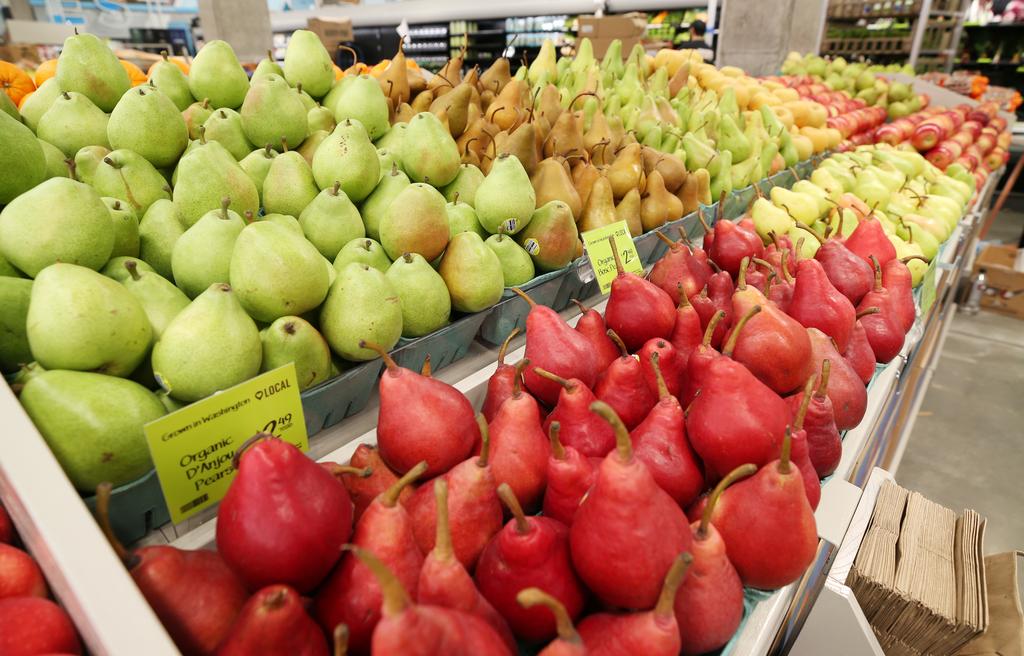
(758, 277)
(30, 626)
(407, 629)
(781, 290)
(768, 525)
(681, 265)
(528, 552)
(622, 386)
(697, 365)
(519, 448)
(474, 511)
(444, 581)
(687, 333)
(868, 239)
(627, 531)
(845, 389)
(591, 325)
(637, 309)
(709, 233)
(883, 330)
(499, 386)
(817, 304)
(20, 576)
(774, 346)
(364, 489)
(284, 518)
(570, 476)
(709, 604)
(859, 354)
(352, 594)
(847, 271)
(7, 528)
(659, 442)
(733, 242)
(273, 622)
(718, 297)
(798, 453)
(672, 370)
(584, 432)
(735, 418)
(568, 642)
(194, 593)
(552, 345)
(896, 278)
(824, 446)
(422, 419)
(652, 633)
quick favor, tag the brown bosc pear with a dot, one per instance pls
(456, 105)
(671, 168)
(566, 135)
(549, 104)
(404, 113)
(599, 209)
(629, 210)
(496, 76)
(627, 171)
(584, 175)
(422, 101)
(473, 80)
(507, 110)
(449, 76)
(551, 181)
(658, 206)
(522, 143)
(679, 79)
(395, 79)
(599, 133)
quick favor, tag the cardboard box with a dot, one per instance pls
(20, 54)
(1005, 286)
(621, 26)
(331, 31)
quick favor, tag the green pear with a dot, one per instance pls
(416, 221)
(428, 152)
(33, 107)
(206, 175)
(466, 182)
(147, 122)
(362, 251)
(126, 175)
(257, 164)
(376, 204)
(87, 160)
(289, 186)
(59, 220)
(551, 237)
(934, 225)
(348, 157)
(330, 221)
(800, 206)
(292, 339)
(387, 161)
(307, 101)
(126, 228)
(89, 67)
(171, 81)
(731, 138)
(225, 127)
(543, 65)
(117, 267)
(209, 346)
(14, 298)
(462, 218)
(426, 305)
(312, 142)
(505, 200)
(195, 115)
(272, 112)
(276, 272)
(267, 66)
(26, 373)
(284, 220)
(392, 139)
(8, 107)
(80, 319)
(516, 264)
(770, 219)
(202, 255)
(362, 305)
(159, 231)
(472, 273)
(73, 122)
(360, 98)
(21, 158)
(870, 189)
(93, 424)
(56, 162)
(216, 75)
(307, 62)
(925, 239)
(7, 270)
(160, 299)
(319, 118)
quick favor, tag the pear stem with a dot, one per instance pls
(785, 265)
(660, 235)
(508, 497)
(709, 508)
(485, 441)
(237, 458)
(768, 283)
(103, 491)
(392, 366)
(662, 387)
(583, 308)
(224, 204)
(504, 345)
(703, 221)
(714, 267)
(623, 445)
(341, 640)
(335, 189)
(389, 497)
(524, 296)
(667, 599)
(443, 537)
(765, 263)
(806, 229)
(734, 337)
(530, 597)
(826, 368)
(556, 445)
(396, 599)
(425, 369)
(741, 279)
(612, 335)
(684, 300)
(801, 412)
(615, 252)
(682, 232)
(517, 382)
(347, 470)
(133, 269)
(914, 257)
(878, 272)
(709, 332)
(721, 206)
(868, 311)
(568, 385)
(787, 444)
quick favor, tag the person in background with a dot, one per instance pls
(698, 31)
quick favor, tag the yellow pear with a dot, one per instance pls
(551, 181)
(627, 171)
(628, 210)
(658, 206)
(599, 209)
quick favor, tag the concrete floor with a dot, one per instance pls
(967, 446)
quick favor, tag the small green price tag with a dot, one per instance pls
(193, 448)
(928, 287)
(599, 252)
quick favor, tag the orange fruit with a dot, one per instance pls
(15, 82)
(45, 71)
(338, 73)
(177, 61)
(135, 73)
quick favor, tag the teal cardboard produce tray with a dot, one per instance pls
(443, 346)
(342, 396)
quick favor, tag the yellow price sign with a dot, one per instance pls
(193, 448)
(598, 244)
